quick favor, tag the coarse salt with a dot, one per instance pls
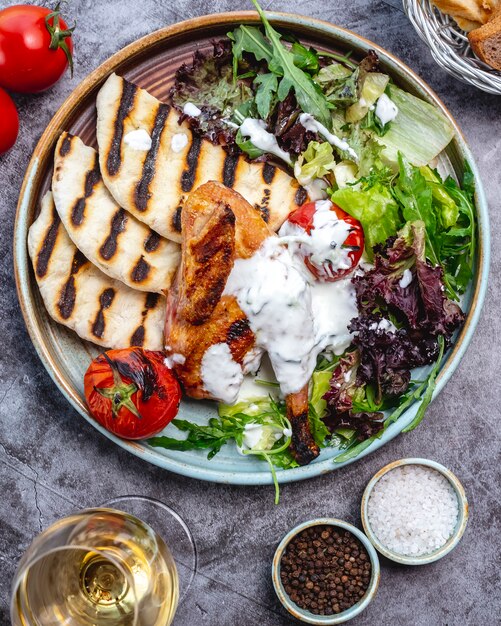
(413, 510)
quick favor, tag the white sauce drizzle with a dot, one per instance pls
(292, 319)
(406, 279)
(262, 139)
(311, 124)
(324, 244)
(384, 325)
(386, 109)
(221, 375)
(138, 139)
(178, 142)
(191, 109)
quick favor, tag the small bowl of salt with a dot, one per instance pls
(414, 511)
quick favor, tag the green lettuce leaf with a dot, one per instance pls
(376, 210)
(315, 162)
(420, 131)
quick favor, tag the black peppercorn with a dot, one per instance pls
(323, 578)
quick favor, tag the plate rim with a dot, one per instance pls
(44, 148)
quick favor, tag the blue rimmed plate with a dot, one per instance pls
(151, 62)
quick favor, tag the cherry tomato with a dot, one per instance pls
(35, 48)
(131, 392)
(9, 122)
(303, 217)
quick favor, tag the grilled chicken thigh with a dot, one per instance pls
(218, 227)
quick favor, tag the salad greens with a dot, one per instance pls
(420, 131)
(375, 208)
(281, 63)
(420, 231)
(265, 415)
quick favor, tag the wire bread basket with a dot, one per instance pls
(450, 47)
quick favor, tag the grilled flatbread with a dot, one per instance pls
(150, 163)
(115, 241)
(78, 295)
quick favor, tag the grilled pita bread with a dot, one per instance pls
(150, 175)
(115, 241)
(78, 295)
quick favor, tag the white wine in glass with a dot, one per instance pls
(99, 567)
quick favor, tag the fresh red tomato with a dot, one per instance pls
(9, 122)
(303, 217)
(35, 48)
(131, 392)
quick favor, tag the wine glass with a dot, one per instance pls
(106, 567)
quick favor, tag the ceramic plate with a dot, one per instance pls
(151, 63)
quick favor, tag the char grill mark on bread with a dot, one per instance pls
(105, 301)
(92, 178)
(48, 243)
(78, 295)
(114, 159)
(188, 176)
(152, 183)
(143, 192)
(110, 237)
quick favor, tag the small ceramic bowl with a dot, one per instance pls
(310, 618)
(453, 540)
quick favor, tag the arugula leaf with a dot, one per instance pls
(430, 388)
(266, 90)
(449, 210)
(305, 58)
(415, 196)
(247, 146)
(319, 430)
(213, 436)
(249, 39)
(450, 231)
(308, 95)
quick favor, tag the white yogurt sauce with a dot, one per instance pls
(324, 243)
(178, 142)
(191, 109)
(138, 139)
(334, 305)
(384, 325)
(386, 109)
(311, 124)
(221, 375)
(256, 131)
(292, 319)
(276, 299)
(254, 433)
(406, 279)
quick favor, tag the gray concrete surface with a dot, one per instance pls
(52, 461)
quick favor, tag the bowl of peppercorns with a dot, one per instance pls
(325, 571)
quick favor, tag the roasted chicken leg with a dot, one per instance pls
(219, 226)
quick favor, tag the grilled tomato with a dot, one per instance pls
(131, 392)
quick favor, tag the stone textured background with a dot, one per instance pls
(52, 461)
